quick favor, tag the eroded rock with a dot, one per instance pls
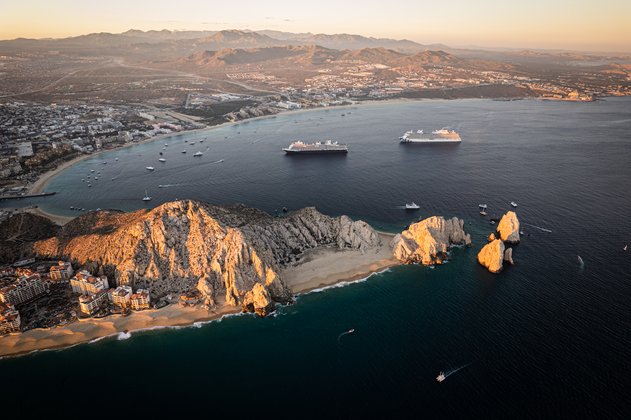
(508, 228)
(427, 241)
(491, 256)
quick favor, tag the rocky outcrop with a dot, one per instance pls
(508, 228)
(185, 245)
(492, 237)
(428, 241)
(492, 255)
(258, 300)
(508, 256)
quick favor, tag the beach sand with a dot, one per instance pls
(91, 329)
(326, 266)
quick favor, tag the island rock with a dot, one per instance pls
(508, 228)
(491, 256)
(427, 241)
(508, 255)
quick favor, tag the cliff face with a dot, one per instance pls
(427, 241)
(508, 228)
(183, 245)
(492, 255)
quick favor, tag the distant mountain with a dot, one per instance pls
(305, 54)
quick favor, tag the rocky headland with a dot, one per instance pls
(231, 252)
(427, 242)
(494, 254)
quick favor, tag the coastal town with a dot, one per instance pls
(43, 295)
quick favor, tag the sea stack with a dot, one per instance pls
(508, 228)
(428, 241)
(492, 255)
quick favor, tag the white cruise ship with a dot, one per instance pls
(437, 136)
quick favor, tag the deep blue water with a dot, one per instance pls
(545, 338)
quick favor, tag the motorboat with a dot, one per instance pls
(412, 206)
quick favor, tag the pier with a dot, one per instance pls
(18, 197)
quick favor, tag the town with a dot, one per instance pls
(47, 294)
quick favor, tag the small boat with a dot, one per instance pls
(198, 154)
(183, 151)
(104, 163)
(581, 263)
(96, 178)
(201, 141)
(412, 206)
(162, 160)
(149, 168)
(164, 148)
(192, 143)
(482, 209)
(91, 170)
(166, 144)
(625, 248)
(492, 222)
(71, 207)
(441, 376)
(89, 185)
(146, 197)
(512, 203)
(116, 159)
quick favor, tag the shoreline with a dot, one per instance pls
(319, 267)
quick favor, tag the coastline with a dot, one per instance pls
(319, 267)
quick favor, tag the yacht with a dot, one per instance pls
(512, 203)
(482, 209)
(146, 197)
(162, 160)
(184, 151)
(149, 168)
(412, 206)
(441, 376)
(198, 154)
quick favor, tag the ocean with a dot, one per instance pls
(543, 339)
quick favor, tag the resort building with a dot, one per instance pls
(86, 284)
(9, 319)
(24, 290)
(89, 304)
(140, 300)
(121, 296)
(61, 271)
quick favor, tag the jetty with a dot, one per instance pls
(19, 197)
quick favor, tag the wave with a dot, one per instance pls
(123, 336)
(343, 283)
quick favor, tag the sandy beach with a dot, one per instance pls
(91, 329)
(326, 266)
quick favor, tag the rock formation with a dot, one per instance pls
(492, 255)
(492, 237)
(508, 255)
(258, 300)
(508, 228)
(427, 241)
(183, 245)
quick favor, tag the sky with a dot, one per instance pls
(588, 25)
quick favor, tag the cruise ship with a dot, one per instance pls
(437, 136)
(299, 147)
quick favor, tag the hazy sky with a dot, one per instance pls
(573, 24)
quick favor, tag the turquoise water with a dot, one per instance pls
(545, 339)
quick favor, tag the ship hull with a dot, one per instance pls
(430, 141)
(314, 152)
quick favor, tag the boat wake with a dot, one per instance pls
(339, 337)
(445, 375)
(539, 227)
